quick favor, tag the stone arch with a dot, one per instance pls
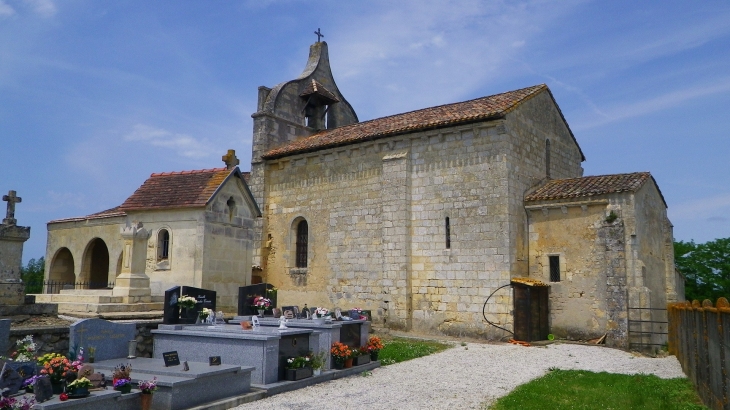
(300, 243)
(62, 268)
(95, 265)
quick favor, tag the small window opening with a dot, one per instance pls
(231, 208)
(302, 245)
(163, 245)
(554, 268)
(547, 158)
(448, 233)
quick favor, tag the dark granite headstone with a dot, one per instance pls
(26, 370)
(42, 389)
(4, 336)
(171, 309)
(111, 340)
(350, 334)
(246, 294)
(10, 380)
(206, 299)
(291, 346)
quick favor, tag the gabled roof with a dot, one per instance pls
(176, 189)
(590, 186)
(315, 88)
(485, 108)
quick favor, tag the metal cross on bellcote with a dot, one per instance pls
(319, 34)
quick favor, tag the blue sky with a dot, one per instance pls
(97, 95)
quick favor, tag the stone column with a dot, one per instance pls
(12, 237)
(132, 283)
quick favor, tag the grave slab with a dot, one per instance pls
(102, 399)
(179, 389)
(110, 339)
(257, 348)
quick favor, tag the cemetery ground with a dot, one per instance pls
(475, 375)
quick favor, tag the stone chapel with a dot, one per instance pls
(419, 216)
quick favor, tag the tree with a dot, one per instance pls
(706, 268)
(32, 275)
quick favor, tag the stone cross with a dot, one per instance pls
(230, 159)
(11, 199)
(319, 34)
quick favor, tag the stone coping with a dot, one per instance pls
(228, 332)
(156, 367)
(99, 396)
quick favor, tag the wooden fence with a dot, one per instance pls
(699, 335)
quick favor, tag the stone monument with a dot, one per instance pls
(12, 237)
(132, 284)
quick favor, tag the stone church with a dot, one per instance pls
(417, 217)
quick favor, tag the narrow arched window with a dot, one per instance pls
(547, 158)
(448, 233)
(302, 244)
(231, 203)
(163, 244)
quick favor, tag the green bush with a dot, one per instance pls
(32, 275)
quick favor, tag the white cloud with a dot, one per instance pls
(46, 8)
(183, 144)
(6, 9)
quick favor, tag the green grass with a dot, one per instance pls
(399, 349)
(579, 389)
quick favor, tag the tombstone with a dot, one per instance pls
(12, 237)
(206, 299)
(42, 389)
(4, 336)
(10, 380)
(246, 294)
(111, 340)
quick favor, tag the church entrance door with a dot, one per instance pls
(96, 264)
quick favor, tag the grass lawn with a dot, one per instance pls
(400, 349)
(580, 389)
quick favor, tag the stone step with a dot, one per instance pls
(70, 298)
(87, 292)
(74, 308)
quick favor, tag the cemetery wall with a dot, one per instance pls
(56, 339)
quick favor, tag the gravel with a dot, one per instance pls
(462, 377)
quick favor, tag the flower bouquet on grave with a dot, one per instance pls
(148, 386)
(79, 387)
(121, 378)
(26, 350)
(374, 346)
(318, 362)
(320, 315)
(261, 304)
(12, 403)
(204, 314)
(29, 383)
(298, 368)
(187, 302)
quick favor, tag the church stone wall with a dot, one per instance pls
(228, 244)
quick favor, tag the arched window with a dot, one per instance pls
(547, 158)
(231, 208)
(163, 245)
(302, 244)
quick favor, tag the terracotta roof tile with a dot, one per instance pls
(108, 213)
(588, 186)
(314, 87)
(484, 108)
(176, 189)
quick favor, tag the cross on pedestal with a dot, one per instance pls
(11, 199)
(319, 34)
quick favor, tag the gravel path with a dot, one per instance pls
(461, 377)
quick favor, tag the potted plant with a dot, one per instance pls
(298, 368)
(26, 350)
(318, 362)
(374, 346)
(147, 387)
(362, 356)
(341, 354)
(261, 303)
(79, 387)
(203, 315)
(121, 379)
(56, 367)
(320, 315)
